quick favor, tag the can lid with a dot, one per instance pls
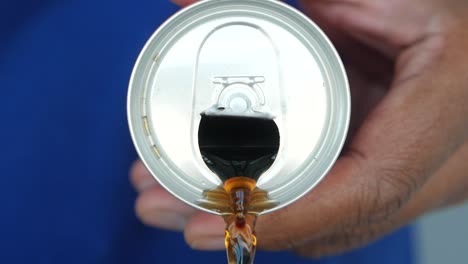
(243, 58)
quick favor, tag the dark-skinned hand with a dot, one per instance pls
(407, 152)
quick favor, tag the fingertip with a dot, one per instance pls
(210, 243)
(156, 207)
(140, 177)
(183, 3)
(205, 232)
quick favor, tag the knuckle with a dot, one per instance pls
(380, 197)
(394, 186)
(341, 241)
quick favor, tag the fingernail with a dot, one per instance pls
(211, 243)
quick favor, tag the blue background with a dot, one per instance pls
(65, 147)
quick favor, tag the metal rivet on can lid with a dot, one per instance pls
(239, 104)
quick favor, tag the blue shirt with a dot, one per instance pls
(65, 146)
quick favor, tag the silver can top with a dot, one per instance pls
(244, 58)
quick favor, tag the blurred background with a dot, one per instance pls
(442, 237)
(66, 151)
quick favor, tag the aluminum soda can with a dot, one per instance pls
(252, 73)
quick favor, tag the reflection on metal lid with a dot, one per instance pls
(245, 59)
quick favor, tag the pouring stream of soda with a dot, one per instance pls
(238, 150)
(240, 239)
(239, 201)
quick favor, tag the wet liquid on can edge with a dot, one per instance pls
(239, 201)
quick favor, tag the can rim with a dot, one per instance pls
(340, 140)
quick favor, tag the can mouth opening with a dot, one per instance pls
(238, 146)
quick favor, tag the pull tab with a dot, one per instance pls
(240, 96)
(237, 100)
(237, 73)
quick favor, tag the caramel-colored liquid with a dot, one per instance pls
(239, 201)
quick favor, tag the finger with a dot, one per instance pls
(140, 177)
(447, 187)
(385, 25)
(368, 60)
(205, 232)
(158, 208)
(183, 2)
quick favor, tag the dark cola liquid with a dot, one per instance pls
(233, 146)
